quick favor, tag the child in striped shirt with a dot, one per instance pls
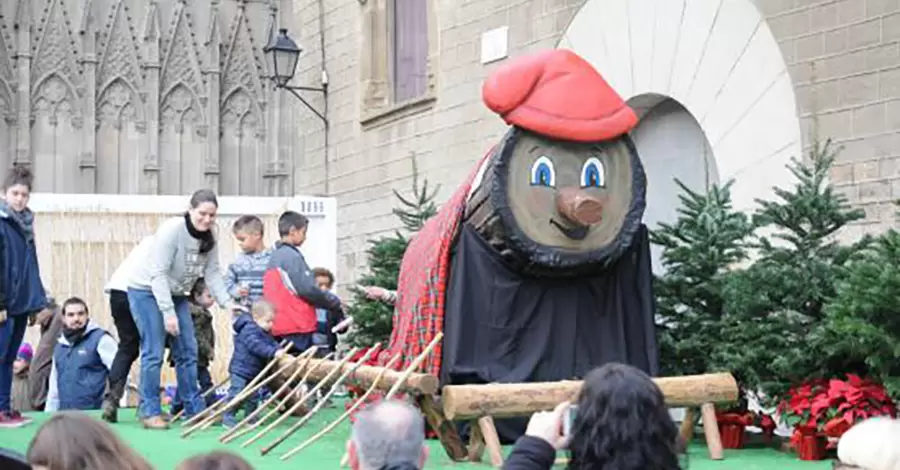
(244, 279)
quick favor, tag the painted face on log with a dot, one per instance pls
(571, 196)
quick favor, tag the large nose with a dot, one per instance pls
(579, 207)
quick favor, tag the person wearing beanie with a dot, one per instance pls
(21, 390)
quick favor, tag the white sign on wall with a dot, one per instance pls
(495, 45)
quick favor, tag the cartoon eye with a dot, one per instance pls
(593, 174)
(543, 173)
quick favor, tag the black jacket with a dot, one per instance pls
(530, 453)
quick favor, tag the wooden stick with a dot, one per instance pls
(246, 392)
(686, 430)
(711, 429)
(340, 380)
(342, 417)
(300, 402)
(203, 414)
(235, 433)
(409, 370)
(205, 394)
(491, 440)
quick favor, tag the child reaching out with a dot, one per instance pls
(254, 347)
(81, 361)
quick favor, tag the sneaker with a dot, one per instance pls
(12, 419)
(155, 422)
(228, 422)
(110, 411)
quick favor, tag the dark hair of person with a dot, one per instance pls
(218, 460)
(75, 301)
(291, 220)
(248, 223)
(19, 174)
(198, 289)
(622, 423)
(207, 238)
(75, 441)
(324, 272)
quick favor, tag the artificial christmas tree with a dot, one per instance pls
(699, 248)
(372, 318)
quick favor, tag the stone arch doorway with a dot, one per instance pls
(672, 145)
(719, 61)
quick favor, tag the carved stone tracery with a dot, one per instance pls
(136, 65)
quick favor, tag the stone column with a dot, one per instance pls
(88, 161)
(150, 96)
(213, 74)
(23, 70)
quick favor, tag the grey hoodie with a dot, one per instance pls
(173, 266)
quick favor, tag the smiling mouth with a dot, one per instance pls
(576, 233)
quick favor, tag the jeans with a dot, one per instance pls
(11, 333)
(206, 383)
(150, 325)
(129, 344)
(238, 384)
(301, 341)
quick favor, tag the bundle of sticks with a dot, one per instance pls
(302, 378)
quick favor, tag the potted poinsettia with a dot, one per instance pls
(732, 427)
(822, 409)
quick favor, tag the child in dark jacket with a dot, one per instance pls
(254, 347)
(200, 302)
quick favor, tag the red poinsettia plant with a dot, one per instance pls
(831, 407)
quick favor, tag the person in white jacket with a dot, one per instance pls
(129, 338)
(81, 361)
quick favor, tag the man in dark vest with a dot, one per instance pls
(81, 361)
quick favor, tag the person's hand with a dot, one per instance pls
(280, 353)
(548, 425)
(172, 325)
(43, 316)
(235, 308)
(243, 291)
(2, 316)
(375, 293)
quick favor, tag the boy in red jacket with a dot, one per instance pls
(290, 286)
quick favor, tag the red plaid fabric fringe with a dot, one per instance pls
(419, 310)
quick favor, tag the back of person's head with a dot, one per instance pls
(75, 441)
(291, 220)
(622, 423)
(262, 309)
(215, 461)
(389, 435)
(870, 445)
(248, 224)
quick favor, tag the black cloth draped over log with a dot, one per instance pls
(501, 326)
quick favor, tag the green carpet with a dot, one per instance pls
(165, 449)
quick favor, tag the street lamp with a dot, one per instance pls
(282, 54)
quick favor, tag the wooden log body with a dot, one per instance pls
(416, 383)
(468, 402)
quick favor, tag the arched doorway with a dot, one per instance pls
(672, 145)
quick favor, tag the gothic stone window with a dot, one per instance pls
(398, 63)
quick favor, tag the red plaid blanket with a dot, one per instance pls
(419, 310)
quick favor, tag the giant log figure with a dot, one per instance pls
(538, 268)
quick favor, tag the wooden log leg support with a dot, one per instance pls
(711, 430)
(491, 440)
(687, 425)
(444, 429)
(476, 443)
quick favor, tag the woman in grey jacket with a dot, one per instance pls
(183, 250)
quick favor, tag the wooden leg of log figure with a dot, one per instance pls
(340, 380)
(687, 425)
(246, 392)
(491, 440)
(711, 429)
(346, 414)
(301, 401)
(285, 392)
(476, 442)
(204, 396)
(406, 373)
(445, 429)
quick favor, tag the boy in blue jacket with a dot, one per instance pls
(254, 347)
(21, 290)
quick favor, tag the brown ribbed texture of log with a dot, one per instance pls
(417, 384)
(467, 402)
